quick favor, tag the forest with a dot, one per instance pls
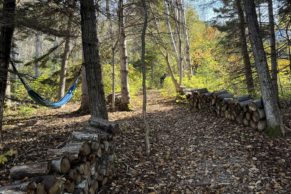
(145, 96)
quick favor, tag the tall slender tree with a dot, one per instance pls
(144, 89)
(6, 34)
(92, 60)
(125, 96)
(273, 50)
(244, 49)
(65, 56)
(273, 115)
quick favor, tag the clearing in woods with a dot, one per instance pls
(192, 152)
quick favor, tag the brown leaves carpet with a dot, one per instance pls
(192, 152)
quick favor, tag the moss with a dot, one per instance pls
(274, 131)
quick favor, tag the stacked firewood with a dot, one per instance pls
(82, 165)
(242, 109)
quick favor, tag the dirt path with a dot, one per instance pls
(191, 152)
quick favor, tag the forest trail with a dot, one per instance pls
(192, 152)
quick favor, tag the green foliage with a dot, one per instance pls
(5, 155)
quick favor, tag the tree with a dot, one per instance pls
(273, 115)
(273, 50)
(125, 96)
(6, 36)
(65, 56)
(92, 60)
(244, 49)
(144, 104)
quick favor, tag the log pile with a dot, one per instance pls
(82, 165)
(241, 109)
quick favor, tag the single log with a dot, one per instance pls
(262, 125)
(29, 170)
(259, 114)
(84, 169)
(105, 125)
(69, 186)
(243, 98)
(248, 116)
(61, 165)
(253, 124)
(87, 135)
(51, 184)
(200, 91)
(246, 122)
(72, 150)
(75, 176)
(16, 188)
(256, 104)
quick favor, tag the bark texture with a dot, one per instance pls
(244, 50)
(92, 60)
(5, 49)
(273, 50)
(84, 108)
(273, 114)
(62, 88)
(144, 88)
(125, 97)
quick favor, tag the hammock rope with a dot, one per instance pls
(40, 100)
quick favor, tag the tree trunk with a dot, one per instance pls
(92, 60)
(273, 51)
(144, 89)
(5, 48)
(244, 50)
(65, 58)
(167, 13)
(37, 53)
(273, 114)
(177, 19)
(186, 37)
(84, 108)
(112, 55)
(125, 96)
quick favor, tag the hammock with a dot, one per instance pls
(40, 100)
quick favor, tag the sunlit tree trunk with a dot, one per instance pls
(170, 31)
(244, 50)
(273, 50)
(177, 18)
(6, 34)
(144, 107)
(125, 96)
(92, 60)
(186, 37)
(273, 114)
(64, 65)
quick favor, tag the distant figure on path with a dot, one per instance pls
(162, 79)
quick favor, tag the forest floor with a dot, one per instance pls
(192, 152)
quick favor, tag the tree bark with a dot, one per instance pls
(37, 53)
(177, 18)
(186, 37)
(125, 96)
(273, 50)
(273, 114)
(84, 108)
(112, 55)
(244, 50)
(144, 89)
(5, 48)
(65, 58)
(167, 14)
(92, 60)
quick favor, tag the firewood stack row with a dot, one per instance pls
(242, 109)
(83, 165)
